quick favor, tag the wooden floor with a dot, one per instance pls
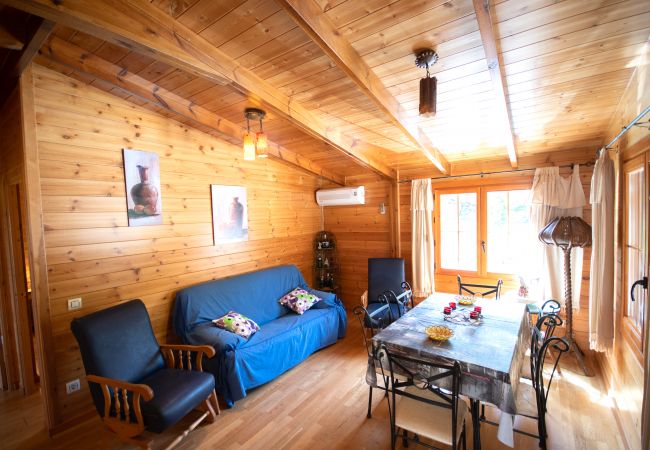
(321, 404)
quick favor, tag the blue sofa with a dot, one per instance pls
(284, 340)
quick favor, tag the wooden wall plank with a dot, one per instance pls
(93, 253)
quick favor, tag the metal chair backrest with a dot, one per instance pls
(372, 323)
(539, 347)
(547, 324)
(405, 298)
(479, 289)
(441, 380)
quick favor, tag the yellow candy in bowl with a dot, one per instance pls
(439, 332)
(465, 300)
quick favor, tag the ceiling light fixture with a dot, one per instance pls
(255, 143)
(424, 59)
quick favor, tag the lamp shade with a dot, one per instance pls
(249, 146)
(262, 145)
(428, 88)
(566, 232)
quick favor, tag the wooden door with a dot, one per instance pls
(635, 252)
(22, 292)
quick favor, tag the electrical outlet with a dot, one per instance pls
(72, 386)
(74, 303)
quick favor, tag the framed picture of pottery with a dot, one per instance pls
(142, 178)
(229, 213)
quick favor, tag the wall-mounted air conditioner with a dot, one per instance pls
(341, 196)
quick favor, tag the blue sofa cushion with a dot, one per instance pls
(175, 393)
(248, 294)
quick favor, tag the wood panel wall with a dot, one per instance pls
(362, 232)
(448, 283)
(623, 370)
(92, 252)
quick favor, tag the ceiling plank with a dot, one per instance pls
(482, 8)
(310, 17)
(79, 59)
(140, 26)
(9, 41)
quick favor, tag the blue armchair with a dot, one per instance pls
(137, 384)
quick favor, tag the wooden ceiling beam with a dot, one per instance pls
(320, 28)
(483, 16)
(9, 41)
(142, 27)
(80, 60)
(37, 31)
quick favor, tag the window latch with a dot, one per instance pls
(483, 246)
(643, 282)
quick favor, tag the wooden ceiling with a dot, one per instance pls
(561, 65)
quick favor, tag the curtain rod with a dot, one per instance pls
(626, 128)
(566, 166)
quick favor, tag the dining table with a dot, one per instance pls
(490, 350)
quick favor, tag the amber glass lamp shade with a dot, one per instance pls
(262, 145)
(428, 88)
(249, 147)
(566, 232)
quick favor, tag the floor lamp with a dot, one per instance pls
(567, 233)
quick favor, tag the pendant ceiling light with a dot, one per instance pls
(255, 143)
(424, 59)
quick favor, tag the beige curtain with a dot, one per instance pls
(601, 284)
(554, 196)
(422, 240)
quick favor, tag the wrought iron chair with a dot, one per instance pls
(424, 400)
(137, 384)
(532, 398)
(387, 283)
(371, 324)
(549, 306)
(479, 289)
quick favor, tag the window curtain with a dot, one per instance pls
(422, 240)
(554, 196)
(601, 285)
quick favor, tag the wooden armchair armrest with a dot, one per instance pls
(179, 356)
(121, 422)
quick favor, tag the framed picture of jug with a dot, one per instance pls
(142, 179)
(229, 214)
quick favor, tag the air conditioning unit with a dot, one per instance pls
(341, 196)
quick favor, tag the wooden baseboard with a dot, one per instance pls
(70, 423)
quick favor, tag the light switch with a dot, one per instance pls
(74, 303)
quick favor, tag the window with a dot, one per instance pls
(481, 231)
(508, 230)
(458, 220)
(634, 252)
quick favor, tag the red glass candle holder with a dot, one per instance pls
(447, 310)
(473, 315)
(478, 309)
(452, 305)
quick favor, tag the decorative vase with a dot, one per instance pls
(144, 194)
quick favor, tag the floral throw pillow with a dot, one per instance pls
(238, 324)
(299, 300)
